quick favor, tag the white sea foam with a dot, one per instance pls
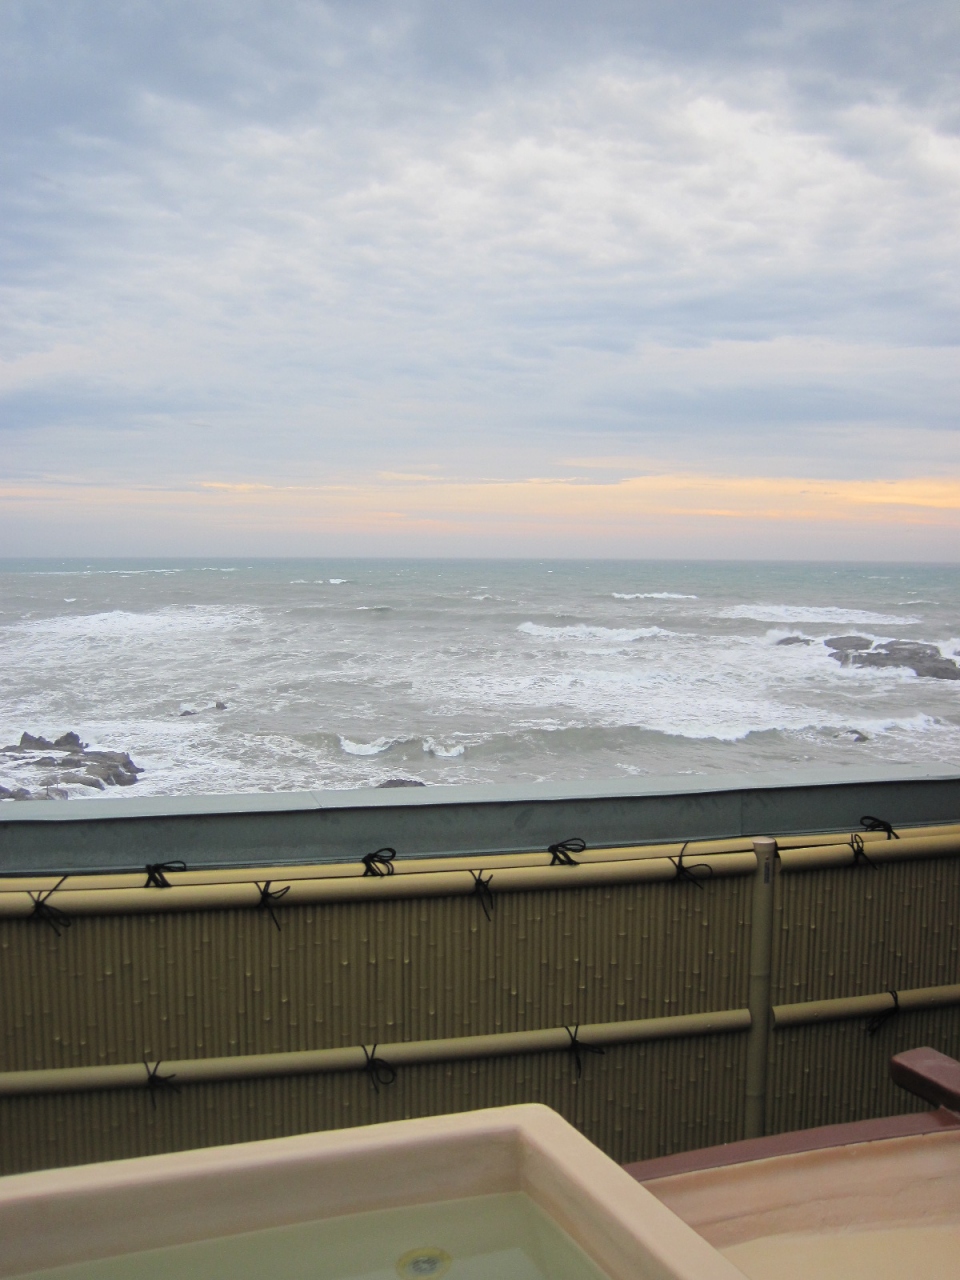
(580, 631)
(434, 748)
(336, 582)
(481, 597)
(788, 613)
(652, 595)
(375, 748)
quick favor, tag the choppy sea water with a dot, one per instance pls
(348, 673)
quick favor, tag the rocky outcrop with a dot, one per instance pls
(924, 659)
(37, 768)
(401, 782)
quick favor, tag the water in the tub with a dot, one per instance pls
(495, 1237)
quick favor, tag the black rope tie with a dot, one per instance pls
(156, 873)
(379, 863)
(687, 874)
(380, 1072)
(883, 1017)
(482, 891)
(560, 853)
(156, 1082)
(270, 896)
(577, 1046)
(46, 912)
(859, 852)
(869, 823)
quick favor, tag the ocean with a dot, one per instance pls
(273, 675)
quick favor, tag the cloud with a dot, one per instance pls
(350, 239)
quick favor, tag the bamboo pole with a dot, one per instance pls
(811, 1011)
(404, 865)
(356, 1058)
(357, 889)
(845, 854)
(761, 947)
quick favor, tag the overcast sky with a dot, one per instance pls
(616, 278)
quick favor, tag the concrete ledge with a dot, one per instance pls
(325, 826)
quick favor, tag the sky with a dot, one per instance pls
(633, 278)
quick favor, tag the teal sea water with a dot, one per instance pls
(343, 673)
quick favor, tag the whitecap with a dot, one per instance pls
(790, 613)
(336, 582)
(434, 748)
(481, 597)
(652, 595)
(616, 635)
(375, 748)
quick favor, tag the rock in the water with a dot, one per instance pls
(924, 660)
(187, 713)
(14, 793)
(795, 640)
(67, 762)
(848, 644)
(401, 782)
(219, 706)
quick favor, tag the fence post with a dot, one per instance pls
(761, 948)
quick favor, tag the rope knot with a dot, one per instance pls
(156, 1082)
(688, 874)
(46, 912)
(560, 853)
(576, 1045)
(482, 891)
(880, 1019)
(859, 852)
(380, 1072)
(379, 863)
(869, 823)
(156, 877)
(270, 896)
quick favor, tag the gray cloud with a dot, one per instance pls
(336, 237)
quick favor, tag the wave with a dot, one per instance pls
(375, 748)
(617, 635)
(127, 624)
(652, 595)
(788, 613)
(433, 748)
(336, 582)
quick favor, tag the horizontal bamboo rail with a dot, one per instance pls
(410, 1053)
(134, 1075)
(883, 1002)
(363, 888)
(847, 853)
(828, 845)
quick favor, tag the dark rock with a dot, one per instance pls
(187, 713)
(17, 793)
(70, 742)
(795, 640)
(401, 782)
(76, 779)
(219, 706)
(29, 743)
(848, 644)
(925, 660)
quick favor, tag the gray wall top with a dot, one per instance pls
(325, 826)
